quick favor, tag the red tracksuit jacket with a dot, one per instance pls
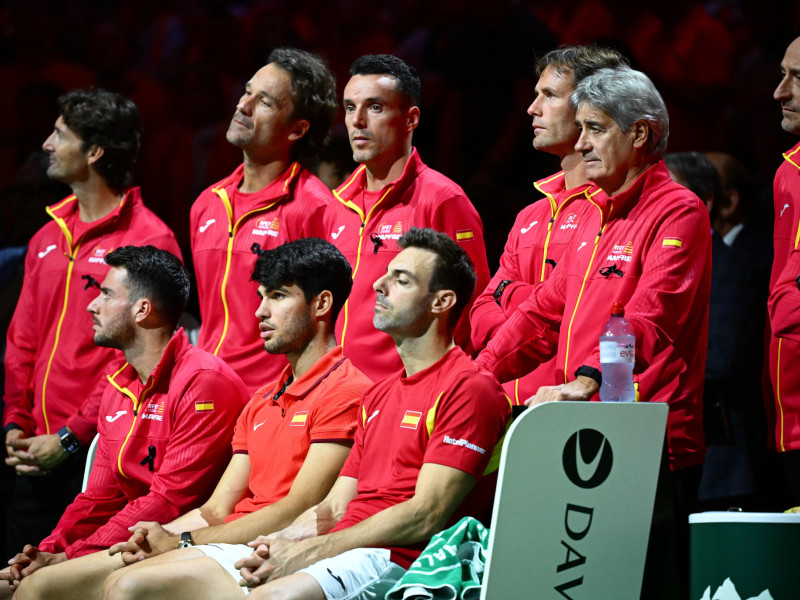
(163, 447)
(649, 248)
(54, 370)
(226, 230)
(783, 408)
(540, 235)
(421, 197)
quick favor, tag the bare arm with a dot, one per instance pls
(313, 482)
(438, 492)
(150, 539)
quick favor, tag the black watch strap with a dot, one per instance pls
(499, 291)
(590, 372)
(186, 540)
(68, 440)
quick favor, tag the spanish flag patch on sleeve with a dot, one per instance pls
(675, 242)
(204, 406)
(464, 235)
(299, 418)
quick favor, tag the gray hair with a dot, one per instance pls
(627, 96)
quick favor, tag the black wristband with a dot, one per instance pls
(499, 291)
(11, 427)
(590, 372)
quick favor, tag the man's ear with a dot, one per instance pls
(322, 303)
(641, 133)
(94, 154)
(730, 206)
(142, 309)
(412, 118)
(299, 130)
(443, 301)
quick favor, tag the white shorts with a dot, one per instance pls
(360, 574)
(226, 555)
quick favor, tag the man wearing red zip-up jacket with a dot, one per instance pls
(542, 231)
(54, 372)
(280, 123)
(648, 245)
(392, 191)
(783, 408)
(166, 416)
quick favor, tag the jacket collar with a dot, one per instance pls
(655, 176)
(793, 156)
(358, 181)
(68, 208)
(176, 347)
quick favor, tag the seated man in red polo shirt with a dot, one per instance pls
(289, 444)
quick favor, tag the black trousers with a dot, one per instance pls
(37, 503)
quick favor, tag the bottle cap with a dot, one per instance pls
(618, 309)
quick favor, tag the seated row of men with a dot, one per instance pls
(312, 478)
(612, 227)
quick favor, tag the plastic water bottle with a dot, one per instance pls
(617, 348)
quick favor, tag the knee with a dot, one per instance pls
(124, 585)
(32, 587)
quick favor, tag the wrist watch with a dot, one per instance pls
(499, 291)
(186, 540)
(69, 442)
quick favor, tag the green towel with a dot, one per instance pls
(450, 568)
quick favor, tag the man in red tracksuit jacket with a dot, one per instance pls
(648, 245)
(543, 230)
(55, 374)
(392, 191)
(166, 420)
(783, 408)
(280, 123)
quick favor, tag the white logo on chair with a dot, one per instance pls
(727, 591)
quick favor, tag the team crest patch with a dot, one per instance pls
(266, 227)
(411, 419)
(201, 406)
(155, 411)
(299, 419)
(464, 235)
(98, 256)
(570, 222)
(621, 252)
(387, 231)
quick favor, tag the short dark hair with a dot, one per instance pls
(313, 96)
(699, 173)
(454, 269)
(312, 264)
(408, 83)
(580, 60)
(155, 274)
(110, 121)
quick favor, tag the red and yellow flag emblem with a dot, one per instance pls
(411, 419)
(299, 419)
(204, 406)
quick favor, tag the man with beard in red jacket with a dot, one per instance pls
(166, 416)
(55, 374)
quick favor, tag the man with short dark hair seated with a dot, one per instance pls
(166, 416)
